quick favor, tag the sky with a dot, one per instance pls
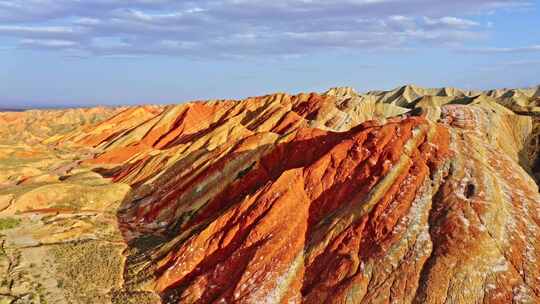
(111, 52)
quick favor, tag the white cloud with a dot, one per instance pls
(23, 30)
(450, 22)
(525, 49)
(48, 43)
(237, 28)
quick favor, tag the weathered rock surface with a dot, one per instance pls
(406, 196)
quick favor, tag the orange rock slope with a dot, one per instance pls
(407, 196)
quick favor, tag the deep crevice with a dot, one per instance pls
(470, 190)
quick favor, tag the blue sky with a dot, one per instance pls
(72, 52)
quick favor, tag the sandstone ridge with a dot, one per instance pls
(411, 195)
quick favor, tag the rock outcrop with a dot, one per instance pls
(406, 196)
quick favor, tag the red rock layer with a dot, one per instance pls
(263, 201)
(301, 221)
(145, 128)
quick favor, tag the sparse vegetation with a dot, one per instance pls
(9, 223)
(88, 270)
(245, 171)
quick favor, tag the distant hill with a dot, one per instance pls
(11, 110)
